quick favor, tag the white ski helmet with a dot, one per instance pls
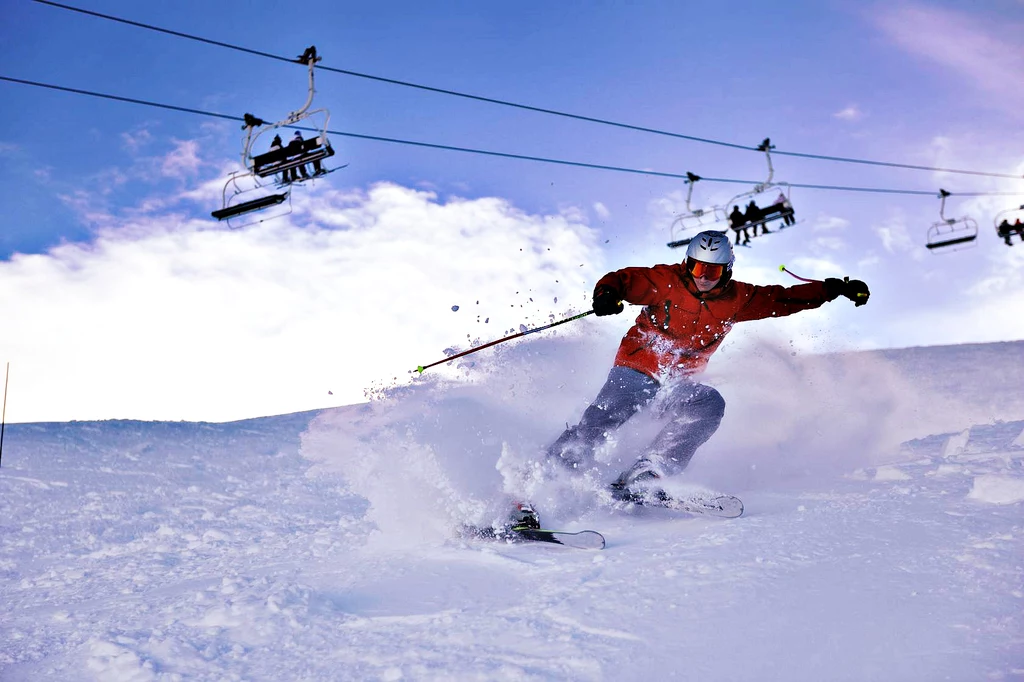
(711, 246)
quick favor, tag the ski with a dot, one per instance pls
(722, 506)
(583, 539)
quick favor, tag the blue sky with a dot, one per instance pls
(106, 231)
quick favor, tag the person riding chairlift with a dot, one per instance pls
(295, 149)
(754, 214)
(738, 222)
(276, 145)
(785, 208)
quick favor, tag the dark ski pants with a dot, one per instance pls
(695, 412)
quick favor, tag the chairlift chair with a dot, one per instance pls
(290, 156)
(951, 234)
(251, 202)
(239, 201)
(770, 209)
(687, 225)
(1010, 217)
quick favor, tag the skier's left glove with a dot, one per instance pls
(607, 301)
(853, 289)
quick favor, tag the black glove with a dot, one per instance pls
(853, 289)
(607, 301)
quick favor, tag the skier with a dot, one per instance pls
(688, 310)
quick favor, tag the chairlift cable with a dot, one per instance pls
(177, 34)
(507, 155)
(118, 98)
(527, 107)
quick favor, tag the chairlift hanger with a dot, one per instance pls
(951, 232)
(720, 214)
(283, 159)
(766, 146)
(768, 214)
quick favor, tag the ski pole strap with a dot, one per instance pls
(802, 279)
(507, 338)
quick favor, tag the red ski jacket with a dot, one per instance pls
(679, 327)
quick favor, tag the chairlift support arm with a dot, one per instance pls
(942, 206)
(309, 58)
(255, 127)
(766, 146)
(691, 180)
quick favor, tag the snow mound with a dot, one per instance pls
(997, 489)
(890, 473)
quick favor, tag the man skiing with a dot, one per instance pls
(688, 310)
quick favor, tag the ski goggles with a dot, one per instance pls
(704, 270)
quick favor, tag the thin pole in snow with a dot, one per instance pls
(3, 418)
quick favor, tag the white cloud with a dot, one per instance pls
(183, 161)
(895, 236)
(826, 222)
(850, 113)
(962, 44)
(602, 211)
(135, 140)
(174, 318)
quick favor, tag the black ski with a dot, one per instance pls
(583, 539)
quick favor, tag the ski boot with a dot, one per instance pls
(523, 517)
(633, 485)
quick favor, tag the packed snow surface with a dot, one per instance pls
(882, 538)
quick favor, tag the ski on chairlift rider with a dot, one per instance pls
(689, 308)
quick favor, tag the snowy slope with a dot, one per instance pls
(882, 540)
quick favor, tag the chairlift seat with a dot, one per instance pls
(291, 156)
(767, 214)
(679, 242)
(952, 241)
(952, 232)
(775, 212)
(249, 206)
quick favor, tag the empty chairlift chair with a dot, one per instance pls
(951, 234)
(687, 225)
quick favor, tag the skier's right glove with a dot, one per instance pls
(607, 301)
(853, 289)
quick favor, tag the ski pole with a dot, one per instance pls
(507, 338)
(782, 268)
(804, 279)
